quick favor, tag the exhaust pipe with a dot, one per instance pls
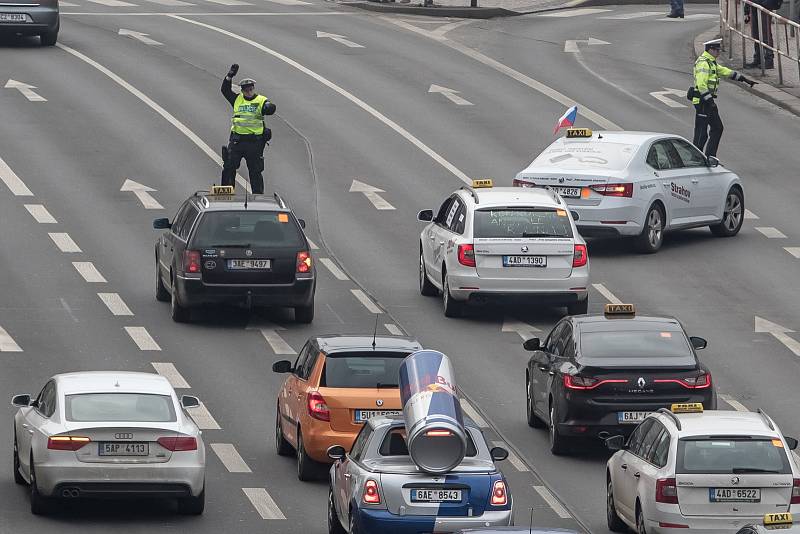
(70, 493)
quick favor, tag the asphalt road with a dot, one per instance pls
(118, 108)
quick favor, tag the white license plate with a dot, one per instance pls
(364, 415)
(627, 418)
(567, 192)
(524, 261)
(124, 449)
(243, 265)
(734, 494)
(435, 495)
(13, 17)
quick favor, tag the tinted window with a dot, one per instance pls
(362, 369)
(443, 210)
(690, 156)
(94, 407)
(521, 222)
(650, 440)
(250, 229)
(634, 344)
(188, 221)
(47, 400)
(450, 218)
(460, 220)
(732, 456)
(180, 218)
(580, 155)
(309, 359)
(394, 444)
(658, 157)
(360, 442)
(552, 339)
(661, 450)
(635, 441)
(301, 358)
(564, 338)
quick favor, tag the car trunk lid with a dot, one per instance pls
(459, 493)
(350, 408)
(123, 443)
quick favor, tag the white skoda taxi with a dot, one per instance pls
(486, 243)
(638, 184)
(712, 472)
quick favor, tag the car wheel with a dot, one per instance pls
(49, 38)
(334, 525)
(533, 420)
(180, 314)
(640, 523)
(162, 295)
(558, 443)
(452, 308)
(578, 308)
(425, 285)
(307, 468)
(18, 478)
(40, 505)
(732, 215)
(304, 314)
(615, 524)
(283, 447)
(652, 236)
(193, 505)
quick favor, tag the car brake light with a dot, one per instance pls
(371, 494)
(666, 491)
(191, 261)
(438, 433)
(303, 262)
(66, 443)
(522, 183)
(795, 491)
(702, 381)
(614, 190)
(499, 496)
(178, 443)
(317, 408)
(587, 382)
(466, 255)
(580, 256)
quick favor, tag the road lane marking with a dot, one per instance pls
(696, 16)
(202, 418)
(781, 333)
(334, 269)
(366, 301)
(472, 413)
(142, 38)
(26, 90)
(552, 502)
(64, 242)
(749, 214)
(311, 244)
(371, 192)
(771, 232)
(575, 12)
(512, 457)
(290, 2)
(142, 338)
(68, 309)
(230, 458)
(341, 39)
(113, 3)
(207, 14)
(230, 2)
(524, 330)
(663, 96)
(171, 373)
(609, 296)
(142, 192)
(7, 343)
(89, 272)
(61, 3)
(174, 3)
(263, 503)
(571, 45)
(115, 304)
(271, 336)
(450, 94)
(393, 329)
(628, 16)
(40, 213)
(794, 251)
(13, 182)
(733, 403)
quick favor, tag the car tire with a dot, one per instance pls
(578, 308)
(179, 313)
(732, 215)
(640, 521)
(50, 38)
(334, 525)
(162, 295)
(533, 420)
(452, 308)
(18, 478)
(615, 524)
(40, 505)
(558, 442)
(282, 446)
(307, 468)
(652, 236)
(193, 505)
(425, 286)
(304, 314)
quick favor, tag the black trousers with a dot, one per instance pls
(252, 150)
(766, 31)
(707, 128)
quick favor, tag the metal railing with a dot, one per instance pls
(785, 44)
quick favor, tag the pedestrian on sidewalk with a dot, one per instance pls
(675, 9)
(761, 24)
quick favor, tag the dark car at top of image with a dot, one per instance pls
(223, 248)
(607, 372)
(516, 530)
(28, 17)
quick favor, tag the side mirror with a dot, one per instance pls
(532, 344)
(575, 215)
(698, 342)
(791, 442)
(302, 223)
(21, 401)
(162, 224)
(498, 454)
(336, 452)
(615, 443)
(283, 366)
(425, 215)
(188, 401)
(713, 161)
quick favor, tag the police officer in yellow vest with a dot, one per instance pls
(707, 124)
(249, 134)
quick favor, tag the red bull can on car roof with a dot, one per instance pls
(435, 432)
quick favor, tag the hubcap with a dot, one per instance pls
(446, 292)
(552, 426)
(610, 501)
(421, 272)
(654, 227)
(733, 212)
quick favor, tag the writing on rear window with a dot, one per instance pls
(520, 222)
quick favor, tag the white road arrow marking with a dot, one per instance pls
(794, 251)
(662, 96)
(142, 192)
(341, 39)
(271, 336)
(523, 329)
(572, 44)
(451, 95)
(139, 36)
(778, 332)
(26, 90)
(372, 195)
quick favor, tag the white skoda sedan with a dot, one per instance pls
(638, 184)
(100, 434)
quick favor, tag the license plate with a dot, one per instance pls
(243, 265)
(435, 495)
(734, 494)
(124, 449)
(524, 261)
(567, 192)
(13, 17)
(627, 418)
(364, 415)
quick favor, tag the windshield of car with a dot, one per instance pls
(521, 222)
(249, 229)
(95, 407)
(637, 347)
(732, 455)
(369, 369)
(571, 155)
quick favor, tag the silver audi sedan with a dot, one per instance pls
(100, 434)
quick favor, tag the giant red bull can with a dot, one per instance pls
(435, 432)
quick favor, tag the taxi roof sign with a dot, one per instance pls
(784, 518)
(222, 190)
(575, 133)
(687, 407)
(619, 309)
(482, 183)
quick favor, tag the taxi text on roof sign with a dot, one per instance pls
(687, 407)
(784, 518)
(222, 190)
(574, 133)
(619, 309)
(483, 182)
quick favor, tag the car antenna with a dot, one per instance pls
(375, 332)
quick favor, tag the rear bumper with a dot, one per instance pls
(318, 437)
(45, 19)
(553, 291)
(612, 217)
(118, 490)
(384, 521)
(193, 292)
(722, 524)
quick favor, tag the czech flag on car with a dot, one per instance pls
(567, 119)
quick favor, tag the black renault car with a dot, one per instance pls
(28, 17)
(235, 249)
(597, 373)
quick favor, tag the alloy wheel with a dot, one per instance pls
(655, 227)
(732, 215)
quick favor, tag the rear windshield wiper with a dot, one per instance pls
(231, 245)
(740, 470)
(379, 385)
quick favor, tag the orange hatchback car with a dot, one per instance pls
(335, 385)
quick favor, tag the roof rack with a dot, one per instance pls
(767, 419)
(471, 192)
(671, 416)
(279, 200)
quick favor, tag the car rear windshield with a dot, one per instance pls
(521, 222)
(581, 155)
(362, 369)
(731, 455)
(132, 407)
(251, 229)
(651, 345)
(394, 444)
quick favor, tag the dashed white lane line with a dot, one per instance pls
(61, 3)
(115, 304)
(552, 502)
(334, 269)
(794, 251)
(275, 341)
(113, 3)
(628, 16)
(472, 413)
(290, 2)
(733, 403)
(263, 503)
(393, 329)
(170, 372)
(749, 214)
(513, 458)
(7, 343)
(89, 272)
(771, 232)
(64, 242)
(173, 3)
(609, 296)
(202, 418)
(13, 182)
(230, 458)
(312, 244)
(142, 338)
(230, 2)
(366, 301)
(575, 12)
(40, 213)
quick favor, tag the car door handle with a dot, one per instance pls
(695, 181)
(637, 474)
(551, 373)
(624, 466)
(30, 431)
(543, 368)
(347, 475)
(25, 425)
(665, 184)
(431, 237)
(441, 242)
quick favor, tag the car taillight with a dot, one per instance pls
(522, 183)
(191, 261)
(499, 496)
(702, 381)
(371, 493)
(613, 190)
(66, 443)
(466, 255)
(438, 433)
(580, 256)
(666, 491)
(317, 408)
(588, 382)
(178, 443)
(303, 262)
(795, 491)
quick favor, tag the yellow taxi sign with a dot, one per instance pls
(575, 133)
(784, 518)
(482, 183)
(687, 407)
(619, 309)
(222, 190)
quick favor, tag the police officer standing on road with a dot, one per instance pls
(707, 124)
(249, 134)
